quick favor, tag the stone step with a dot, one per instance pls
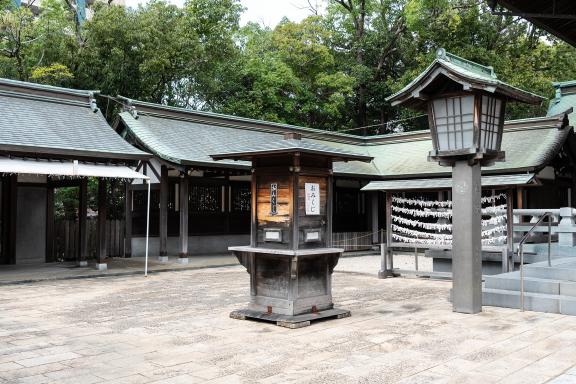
(551, 273)
(511, 281)
(537, 302)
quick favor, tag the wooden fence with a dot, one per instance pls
(352, 241)
(66, 238)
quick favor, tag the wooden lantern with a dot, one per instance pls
(290, 258)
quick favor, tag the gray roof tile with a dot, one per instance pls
(188, 142)
(55, 125)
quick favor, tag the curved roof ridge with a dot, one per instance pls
(233, 118)
(48, 88)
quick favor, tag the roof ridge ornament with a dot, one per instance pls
(93, 104)
(129, 107)
(442, 54)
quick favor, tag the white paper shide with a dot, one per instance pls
(312, 198)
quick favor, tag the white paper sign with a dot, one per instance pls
(312, 198)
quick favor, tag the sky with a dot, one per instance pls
(265, 12)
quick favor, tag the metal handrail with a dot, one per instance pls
(550, 217)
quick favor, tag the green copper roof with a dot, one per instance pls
(42, 120)
(179, 138)
(564, 100)
(468, 73)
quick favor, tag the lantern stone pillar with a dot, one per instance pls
(467, 235)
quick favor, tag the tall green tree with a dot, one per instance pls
(33, 38)
(160, 52)
(289, 74)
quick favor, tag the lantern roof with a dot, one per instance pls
(450, 73)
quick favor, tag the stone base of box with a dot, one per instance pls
(292, 322)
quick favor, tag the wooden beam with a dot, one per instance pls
(128, 197)
(183, 216)
(163, 222)
(102, 213)
(50, 256)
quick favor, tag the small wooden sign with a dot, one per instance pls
(273, 198)
(312, 198)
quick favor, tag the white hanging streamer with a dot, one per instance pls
(447, 213)
(443, 236)
(499, 240)
(443, 204)
(495, 220)
(493, 232)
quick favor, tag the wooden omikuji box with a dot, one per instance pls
(290, 259)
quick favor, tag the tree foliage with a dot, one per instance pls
(330, 71)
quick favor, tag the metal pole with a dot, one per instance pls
(521, 251)
(147, 231)
(549, 239)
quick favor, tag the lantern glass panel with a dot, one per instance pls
(490, 120)
(454, 121)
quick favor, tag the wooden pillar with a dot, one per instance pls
(12, 216)
(295, 239)
(510, 227)
(389, 228)
(164, 191)
(83, 221)
(374, 213)
(253, 210)
(50, 257)
(8, 212)
(226, 203)
(128, 193)
(102, 213)
(329, 210)
(520, 198)
(183, 249)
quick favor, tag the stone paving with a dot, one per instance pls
(174, 327)
(11, 274)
